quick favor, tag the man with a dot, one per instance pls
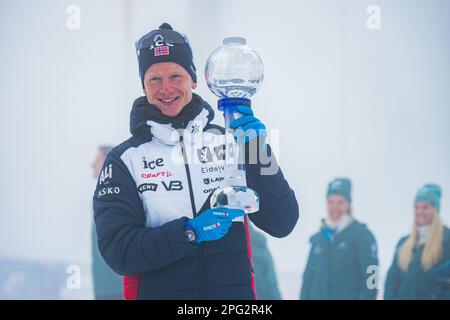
(342, 253)
(107, 284)
(152, 213)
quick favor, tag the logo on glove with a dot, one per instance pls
(211, 227)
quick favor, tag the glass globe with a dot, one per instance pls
(234, 70)
(236, 197)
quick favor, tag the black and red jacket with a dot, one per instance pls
(156, 180)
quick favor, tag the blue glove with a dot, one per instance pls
(247, 127)
(213, 224)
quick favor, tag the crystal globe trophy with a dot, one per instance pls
(234, 73)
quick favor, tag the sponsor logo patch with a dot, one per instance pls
(195, 128)
(205, 154)
(153, 164)
(210, 190)
(160, 174)
(212, 180)
(175, 185)
(211, 227)
(220, 152)
(105, 174)
(160, 47)
(147, 187)
(108, 191)
(212, 169)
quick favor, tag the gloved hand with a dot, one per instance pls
(213, 224)
(247, 127)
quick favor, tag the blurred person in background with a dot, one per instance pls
(107, 284)
(266, 283)
(341, 252)
(424, 252)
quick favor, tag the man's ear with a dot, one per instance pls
(194, 85)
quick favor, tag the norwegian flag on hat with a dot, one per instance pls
(162, 51)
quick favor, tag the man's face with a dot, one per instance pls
(168, 86)
(337, 207)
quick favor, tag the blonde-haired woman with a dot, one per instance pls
(419, 253)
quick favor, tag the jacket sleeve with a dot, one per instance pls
(308, 276)
(366, 247)
(278, 208)
(393, 277)
(126, 244)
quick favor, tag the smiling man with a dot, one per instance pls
(151, 204)
(168, 86)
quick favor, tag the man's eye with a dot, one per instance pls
(153, 79)
(176, 76)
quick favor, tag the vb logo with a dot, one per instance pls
(173, 185)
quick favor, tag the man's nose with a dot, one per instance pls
(165, 87)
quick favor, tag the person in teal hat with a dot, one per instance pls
(343, 259)
(421, 253)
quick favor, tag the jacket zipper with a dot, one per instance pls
(194, 214)
(188, 174)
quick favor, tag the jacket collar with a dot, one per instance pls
(349, 230)
(167, 134)
(343, 223)
(148, 122)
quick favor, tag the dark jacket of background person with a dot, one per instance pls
(265, 276)
(441, 274)
(107, 284)
(415, 284)
(337, 268)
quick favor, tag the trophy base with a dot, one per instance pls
(236, 197)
